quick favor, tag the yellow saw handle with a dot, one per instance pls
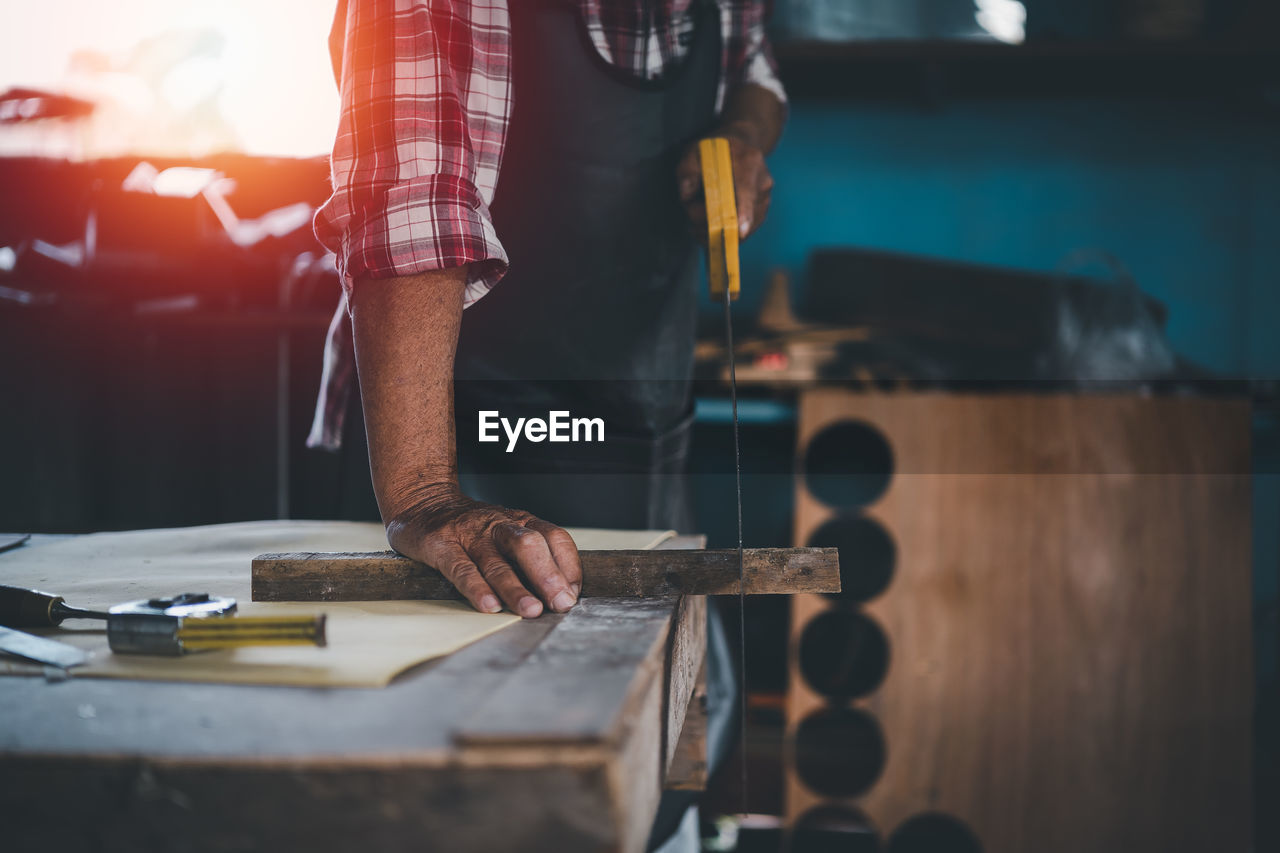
(722, 217)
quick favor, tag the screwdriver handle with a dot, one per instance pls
(29, 608)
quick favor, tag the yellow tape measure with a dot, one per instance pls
(722, 217)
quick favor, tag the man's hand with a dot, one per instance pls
(406, 334)
(752, 122)
(490, 552)
(752, 184)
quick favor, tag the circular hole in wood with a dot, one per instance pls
(833, 829)
(933, 832)
(839, 752)
(848, 464)
(867, 555)
(843, 655)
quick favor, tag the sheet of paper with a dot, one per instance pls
(369, 642)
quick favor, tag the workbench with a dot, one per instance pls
(558, 733)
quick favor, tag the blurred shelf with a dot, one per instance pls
(933, 70)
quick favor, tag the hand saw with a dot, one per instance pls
(724, 274)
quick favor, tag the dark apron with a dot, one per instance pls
(597, 314)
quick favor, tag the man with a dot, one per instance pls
(534, 163)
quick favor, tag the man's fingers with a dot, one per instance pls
(452, 562)
(754, 186)
(744, 195)
(752, 214)
(500, 575)
(762, 206)
(689, 184)
(563, 549)
(496, 556)
(689, 175)
(697, 212)
(529, 550)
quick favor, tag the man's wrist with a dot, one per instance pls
(745, 131)
(754, 115)
(423, 505)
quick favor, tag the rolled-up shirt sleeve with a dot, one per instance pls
(425, 103)
(749, 58)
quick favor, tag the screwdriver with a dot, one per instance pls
(31, 608)
(165, 626)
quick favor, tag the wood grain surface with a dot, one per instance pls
(386, 575)
(688, 769)
(614, 640)
(550, 735)
(686, 653)
(1070, 658)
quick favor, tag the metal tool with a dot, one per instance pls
(40, 649)
(8, 543)
(165, 626)
(198, 622)
(725, 277)
(31, 608)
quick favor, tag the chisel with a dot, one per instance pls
(40, 649)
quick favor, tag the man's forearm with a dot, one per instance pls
(755, 115)
(406, 336)
(752, 120)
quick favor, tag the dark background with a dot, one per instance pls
(170, 380)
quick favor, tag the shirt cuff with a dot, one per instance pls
(760, 70)
(431, 223)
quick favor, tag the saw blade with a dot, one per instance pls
(40, 649)
(742, 593)
(724, 275)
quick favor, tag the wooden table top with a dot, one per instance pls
(559, 730)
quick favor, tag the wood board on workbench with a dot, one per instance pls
(385, 575)
(369, 642)
(341, 769)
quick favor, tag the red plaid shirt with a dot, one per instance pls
(426, 97)
(425, 101)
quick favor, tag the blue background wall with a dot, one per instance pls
(1185, 192)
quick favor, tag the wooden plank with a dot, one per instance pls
(408, 723)
(688, 768)
(69, 806)
(616, 717)
(620, 643)
(385, 575)
(643, 658)
(685, 655)
(382, 769)
(635, 776)
(393, 779)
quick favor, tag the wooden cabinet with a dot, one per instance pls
(1054, 650)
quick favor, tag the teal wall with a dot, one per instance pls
(1186, 194)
